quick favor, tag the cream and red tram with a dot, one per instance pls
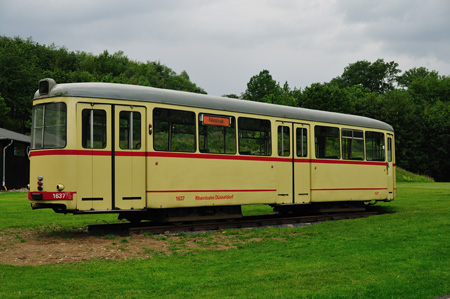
(149, 153)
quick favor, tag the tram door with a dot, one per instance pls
(301, 164)
(129, 158)
(94, 157)
(390, 166)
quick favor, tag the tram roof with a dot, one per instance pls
(180, 98)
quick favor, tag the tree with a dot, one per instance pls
(330, 97)
(436, 130)
(18, 79)
(379, 76)
(409, 76)
(262, 88)
(231, 96)
(430, 89)
(286, 97)
(4, 110)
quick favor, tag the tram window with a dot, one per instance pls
(284, 141)
(254, 137)
(174, 130)
(217, 134)
(375, 146)
(93, 128)
(49, 126)
(327, 142)
(302, 142)
(352, 144)
(130, 130)
(389, 148)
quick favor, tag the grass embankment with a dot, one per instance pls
(405, 254)
(404, 176)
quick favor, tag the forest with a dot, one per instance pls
(415, 102)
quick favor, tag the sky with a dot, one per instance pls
(221, 44)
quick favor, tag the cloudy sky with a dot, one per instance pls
(223, 43)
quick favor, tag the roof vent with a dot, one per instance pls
(46, 85)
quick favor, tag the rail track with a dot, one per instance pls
(211, 225)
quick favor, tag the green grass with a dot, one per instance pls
(405, 254)
(16, 213)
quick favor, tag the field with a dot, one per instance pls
(403, 254)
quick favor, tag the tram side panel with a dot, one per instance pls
(349, 164)
(283, 171)
(193, 180)
(333, 181)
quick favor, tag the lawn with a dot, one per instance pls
(404, 254)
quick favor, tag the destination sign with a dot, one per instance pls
(216, 121)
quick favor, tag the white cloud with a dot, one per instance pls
(414, 28)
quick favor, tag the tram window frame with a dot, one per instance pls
(352, 144)
(284, 141)
(217, 138)
(93, 128)
(49, 128)
(302, 142)
(327, 142)
(375, 146)
(130, 132)
(178, 125)
(254, 136)
(389, 149)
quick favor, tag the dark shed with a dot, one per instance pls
(14, 163)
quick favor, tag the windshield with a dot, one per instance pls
(49, 126)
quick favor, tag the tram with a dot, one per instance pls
(149, 153)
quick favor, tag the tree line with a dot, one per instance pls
(415, 102)
(24, 62)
